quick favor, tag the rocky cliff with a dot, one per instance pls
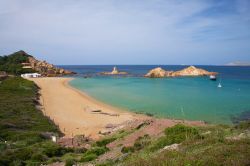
(42, 67)
(47, 69)
(189, 71)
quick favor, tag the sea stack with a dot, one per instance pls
(115, 71)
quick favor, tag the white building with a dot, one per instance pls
(30, 75)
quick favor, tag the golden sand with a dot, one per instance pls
(73, 110)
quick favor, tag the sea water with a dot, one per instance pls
(192, 98)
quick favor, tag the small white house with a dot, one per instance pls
(30, 75)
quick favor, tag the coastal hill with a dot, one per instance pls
(21, 62)
(189, 71)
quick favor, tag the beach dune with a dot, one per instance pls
(74, 111)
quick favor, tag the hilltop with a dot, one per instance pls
(21, 62)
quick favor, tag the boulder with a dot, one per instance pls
(171, 147)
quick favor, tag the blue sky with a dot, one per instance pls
(127, 31)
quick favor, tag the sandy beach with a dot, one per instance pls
(74, 111)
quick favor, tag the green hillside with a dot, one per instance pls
(12, 63)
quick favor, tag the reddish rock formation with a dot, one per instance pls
(189, 71)
(158, 73)
(192, 71)
(47, 69)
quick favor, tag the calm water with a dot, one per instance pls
(195, 98)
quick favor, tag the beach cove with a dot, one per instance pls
(72, 110)
(77, 113)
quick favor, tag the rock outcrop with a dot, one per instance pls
(189, 71)
(114, 72)
(192, 71)
(47, 69)
(20, 63)
(158, 73)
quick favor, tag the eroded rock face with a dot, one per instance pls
(47, 69)
(189, 71)
(158, 73)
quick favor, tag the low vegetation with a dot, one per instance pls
(22, 126)
(211, 145)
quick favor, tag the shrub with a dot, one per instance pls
(97, 151)
(70, 162)
(105, 141)
(93, 153)
(38, 157)
(127, 149)
(88, 157)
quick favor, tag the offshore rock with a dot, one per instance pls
(189, 71)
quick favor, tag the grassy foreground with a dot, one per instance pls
(23, 140)
(214, 145)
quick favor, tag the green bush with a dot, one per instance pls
(88, 157)
(105, 141)
(38, 156)
(93, 153)
(70, 162)
(127, 149)
(97, 150)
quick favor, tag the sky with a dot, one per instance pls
(85, 32)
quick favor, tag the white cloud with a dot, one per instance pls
(111, 28)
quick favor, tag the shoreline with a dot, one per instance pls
(86, 118)
(77, 113)
(92, 99)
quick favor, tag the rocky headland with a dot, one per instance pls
(43, 67)
(189, 71)
(115, 71)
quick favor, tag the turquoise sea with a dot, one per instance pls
(193, 98)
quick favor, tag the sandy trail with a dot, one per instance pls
(72, 110)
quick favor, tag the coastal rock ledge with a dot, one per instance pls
(189, 71)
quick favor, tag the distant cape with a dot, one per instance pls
(238, 63)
